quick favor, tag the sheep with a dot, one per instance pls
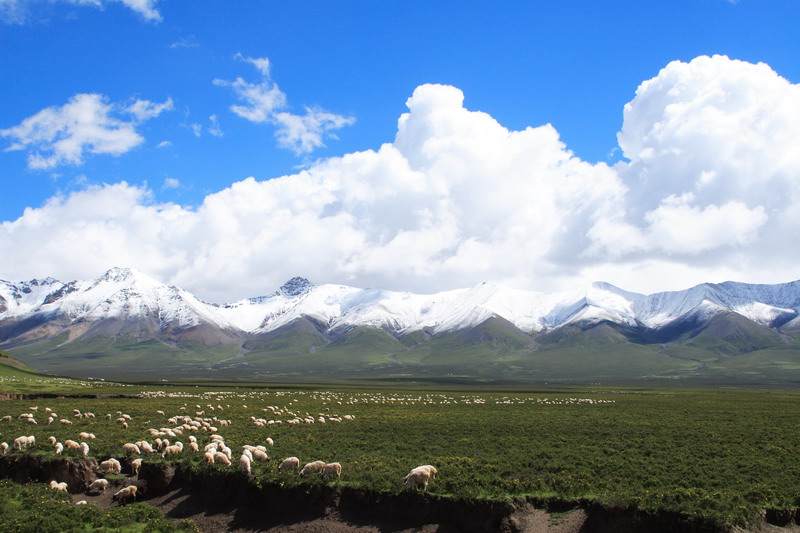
(331, 469)
(314, 467)
(172, 450)
(194, 447)
(290, 463)
(130, 448)
(82, 502)
(59, 448)
(71, 445)
(248, 453)
(111, 466)
(4, 447)
(23, 442)
(83, 448)
(258, 455)
(125, 494)
(244, 464)
(98, 485)
(270, 441)
(52, 440)
(417, 477)
(136, 465)
(59, 486)
(209, 457)
(430, 468)
(221, 458)
(145, 446)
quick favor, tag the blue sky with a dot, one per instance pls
(574, 65)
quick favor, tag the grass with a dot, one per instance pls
(718, 456)
(36, 508)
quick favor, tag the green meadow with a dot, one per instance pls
(719, 456)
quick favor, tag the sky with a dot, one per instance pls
(227, 146)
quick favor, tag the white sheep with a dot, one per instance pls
(290, 463)
(244, 464)
(258, 455)
(82, 502)
(314, 467)
(417, 477)
(332, 469)
(4, 447)
(110, 466)
(125, 494)
(130, 448)
(98, 485)
(209, 457)
(71, 445)
(136, 465)
(83, 449)
(172, 450)
(52, 440)
(221, 458)
(59, 486)
(59, 448)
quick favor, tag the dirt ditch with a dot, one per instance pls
(230, 501)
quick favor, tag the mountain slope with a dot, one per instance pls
(123, 321)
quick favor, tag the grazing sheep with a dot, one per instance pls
(258, 455)
(130, 448)
(244, 464)
(270, 441)
(59, 448)
(248, 453)
(290, 463)
(4, 447)
(430, 468)
(331, 469)
(83, 449)
(82, 502)
(416, 478)
(314, 467)
(59, 486)
(71, 445)
(193, 446)
(136, 465)
(145, 446)
(98, 485)
(209, 457)
(172, 450)
(125, 494)
(111, 466)
(221, 458)
(52, 440)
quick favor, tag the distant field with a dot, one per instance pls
(722, 456)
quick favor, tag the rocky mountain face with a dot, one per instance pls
(46, 321)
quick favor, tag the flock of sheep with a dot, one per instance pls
(215, 452)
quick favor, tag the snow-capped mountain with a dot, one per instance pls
(124, 316)
(122, 300)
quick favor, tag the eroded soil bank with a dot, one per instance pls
(229, 501)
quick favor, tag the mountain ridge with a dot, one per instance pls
(488, 324)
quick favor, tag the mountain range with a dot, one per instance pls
(125, 324)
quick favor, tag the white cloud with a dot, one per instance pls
(18, 11)
(264, 103)
(708, 193)
(214, 128)
(170, 183)
(86, 123)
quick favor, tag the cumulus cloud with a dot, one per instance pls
(708, 192)
(86, 123)
(264, 102)
(18, 11)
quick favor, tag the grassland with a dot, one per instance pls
(719, 456)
